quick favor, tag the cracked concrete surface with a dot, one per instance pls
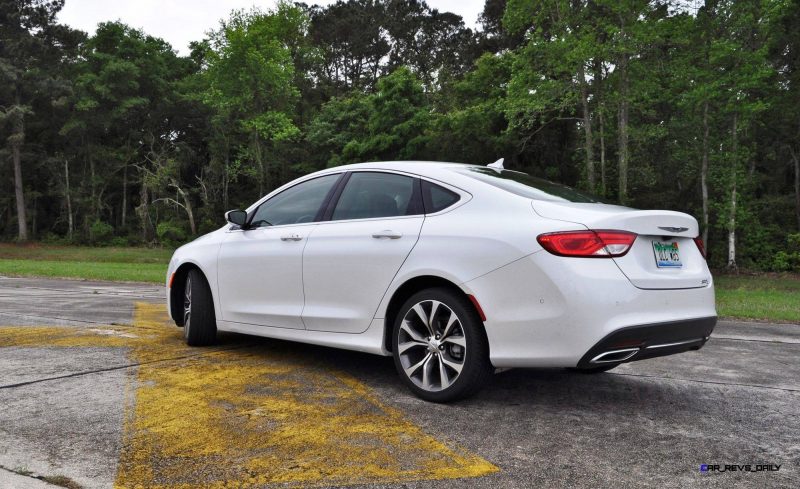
(647, 423)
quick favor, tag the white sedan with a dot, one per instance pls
(454, 270)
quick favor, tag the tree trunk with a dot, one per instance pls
(704, 173)
(797, 190)
(22, 220)
(732, 218)
(68, 198)
(188, 206)
(124, 194)
(92, 184)
(796, 160)
(587, 129)
(603, 189)
(597, 83)
(622, 143)
(17, 139)
(33, 219)
(225, 179)
(260, 161)
(144, 212)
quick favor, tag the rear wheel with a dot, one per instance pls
(439, 346)
(199, 322)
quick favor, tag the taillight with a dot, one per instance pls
(588, 244)
(700, 245)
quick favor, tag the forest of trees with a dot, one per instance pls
(114, 138)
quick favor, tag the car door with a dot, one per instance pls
(260, 268)
(353, 255)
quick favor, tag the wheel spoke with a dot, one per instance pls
(456, 340)
(187, 307)
(426, 369)
(404, 347)
(432, 317)
(455, 366)
(410, 370)
(453, 319)
(423, 316)
(409, 330)
(444, 379)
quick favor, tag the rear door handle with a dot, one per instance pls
(387, 233)
(291, 237)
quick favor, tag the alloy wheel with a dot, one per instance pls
(187, 307)
(431, 345)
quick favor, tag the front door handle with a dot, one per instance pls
(291, 237)
(387, 233)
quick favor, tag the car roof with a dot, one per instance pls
(441, 171)
(412, 166)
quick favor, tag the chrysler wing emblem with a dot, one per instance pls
(673, 230)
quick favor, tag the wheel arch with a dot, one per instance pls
(411, 287)
(178, 284)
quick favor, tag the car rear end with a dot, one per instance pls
(605, 285)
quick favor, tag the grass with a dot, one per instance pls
(761, 297)
(80, 262)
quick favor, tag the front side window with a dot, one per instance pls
(373, 195)
(295, 205)
(528, 186)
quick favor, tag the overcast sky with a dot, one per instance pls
(181, 21)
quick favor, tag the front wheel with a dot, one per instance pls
(439, 346)
(199, 321)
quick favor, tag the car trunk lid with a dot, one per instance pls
(664, 255)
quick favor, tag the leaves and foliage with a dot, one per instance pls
(672, 104)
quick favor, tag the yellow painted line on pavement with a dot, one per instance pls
(252, 416)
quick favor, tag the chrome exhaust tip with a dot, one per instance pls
(615, 356)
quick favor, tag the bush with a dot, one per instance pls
(100, 232)
(119, 242)
(788, 260)
(55, 239)
(170, 233)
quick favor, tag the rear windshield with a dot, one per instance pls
(527, 186)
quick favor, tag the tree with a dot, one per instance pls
(250, 77)
(397, 121)
(30, 56)
(550, 81)
(124, 94)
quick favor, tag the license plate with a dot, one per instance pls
(667, 254)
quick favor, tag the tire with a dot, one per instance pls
(199, 321)
(594, 370)
(440, 363)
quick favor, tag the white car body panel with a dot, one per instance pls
(346, 270)
(639, 263)
(541, 310)
(537, 323)
(260, 283)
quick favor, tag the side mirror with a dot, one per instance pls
(237, 217)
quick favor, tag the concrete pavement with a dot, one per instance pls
(90, 375)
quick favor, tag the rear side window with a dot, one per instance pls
(376, 194)
(528, 186)
(437, 198)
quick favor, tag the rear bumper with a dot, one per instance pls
(548, 311)
(648, 341)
